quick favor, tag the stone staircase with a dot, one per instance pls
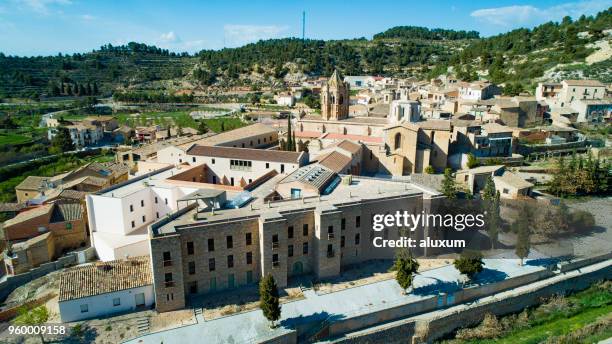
(143, 325)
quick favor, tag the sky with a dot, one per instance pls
(48, 27)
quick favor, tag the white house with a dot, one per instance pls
(359, 81)
(478, 90)
(119, 216)
(285, 99)
(102, 289)
(404, 111)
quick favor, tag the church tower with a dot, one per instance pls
(335, 98)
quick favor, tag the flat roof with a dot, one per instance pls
(361, 189)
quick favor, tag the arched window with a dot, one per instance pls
(398, 141)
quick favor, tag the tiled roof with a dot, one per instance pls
(104, 277)
(237, 134)
(349, 146)
(31, 183)
(246, 154)
(64, 212)
(29, 214)
(514, 180)
(335, 161)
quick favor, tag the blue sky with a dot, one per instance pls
(42, 27)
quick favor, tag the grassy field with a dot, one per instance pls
(584, 317)
(13, 139)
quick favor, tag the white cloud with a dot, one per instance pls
(169, 37)
(42, 6)
(511, 16)
(236, 35)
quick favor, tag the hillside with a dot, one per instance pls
(519, 58)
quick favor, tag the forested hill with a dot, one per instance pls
(418, 32)
(518, 58)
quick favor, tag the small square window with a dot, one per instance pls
(116, 301)
(68, 225)
(84, 308)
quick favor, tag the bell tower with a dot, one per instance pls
(335, 98)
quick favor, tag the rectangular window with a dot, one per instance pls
(211, 245)
(117, 302)
(193, 159)
(142, 203)
(190, 248)
(342, 224)
(305, 248)
(168, 279)
(133, 224)
(249, 258)
(213, 161)
(357, 238)
(144, 219)
(342, 239)
(290, 251)
(193, 287)
(330, 250)
(275, 261)
(131, 208)
(230, 261)
(157, 214)
(267, 165)
(191, 268)
(211, 264)
(305, 229)
(84, 308)
(167, 258)
(290, 232)
(358, 221)
(166, 200)
(68, 225)
(249, 239)
(155, 199)
(229, 241)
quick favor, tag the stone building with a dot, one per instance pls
(198, 251)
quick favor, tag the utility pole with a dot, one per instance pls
(303, 25)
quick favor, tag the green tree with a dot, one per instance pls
(469, 263)
(405, 267)
(472, 161)
(202, 128)
(269, 301)
(449, 187)
(33, 317)
(523, 233)
(62, 142)
(429, 170)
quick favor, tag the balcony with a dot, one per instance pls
(167, 263)
(330, 236)
(169, 284)
(276, 264)
(275, 245)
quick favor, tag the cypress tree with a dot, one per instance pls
(405, 266)
(448, 184)
(269, 299)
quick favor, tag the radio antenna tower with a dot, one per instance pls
(303, 25)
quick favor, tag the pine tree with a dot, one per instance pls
(449, 188)
(289, 138)
(405, 266)
(269, 299)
